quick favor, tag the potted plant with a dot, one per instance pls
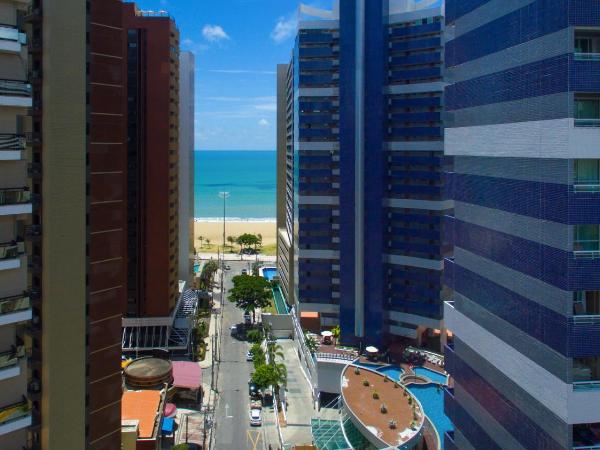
(392, 424)
(356, 371)
(366, 382)
(383, 408)
(375, 395)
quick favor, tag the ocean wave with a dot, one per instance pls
(236, 219)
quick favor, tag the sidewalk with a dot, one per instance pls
(300, 406)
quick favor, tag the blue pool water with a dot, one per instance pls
(431, 374)
(431, 397)
(196, 267)
(269, 273)
(392, 371)
(368, 365)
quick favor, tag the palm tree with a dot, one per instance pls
(201, 238)
(274, 350)
(231, 240)
(207, 242)
(280, 376)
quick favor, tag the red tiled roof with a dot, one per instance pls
(187, 375)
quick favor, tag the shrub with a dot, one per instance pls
(181, 447)
(383, 408)
(375, 395)
(356, 371)
(254, 336)
(410, 400)
(366, 383)
(392, 424)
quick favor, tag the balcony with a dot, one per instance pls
(586, 436)
(586, 373)
(15, 417)
(11, 146)
(10, 253)
(587, 110)
(9, 363)
(15, 93)
(15, 309)
(11, 39)
(15, 201)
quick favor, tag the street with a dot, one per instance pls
(233, 429)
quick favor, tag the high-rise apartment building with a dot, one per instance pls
(153, 162)
(186, 165)
(78, 264)
(523, 128)
(15, 226)
(364, 160)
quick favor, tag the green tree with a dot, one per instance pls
(255, 336)
(268, 375)
(258, 355)
(181, 447)
(247, 240)
(201, 239)
(311, 343)
(274, 350)
(232, 240)
(207, 275)
(207, 242)
(249, 293)
(335, 332)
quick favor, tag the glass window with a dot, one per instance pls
(586, 369)
(587, 171)
(587, 108)
(586, 303)
(587, 238)
(583, 45)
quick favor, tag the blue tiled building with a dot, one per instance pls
(522, 118)
(364, 170)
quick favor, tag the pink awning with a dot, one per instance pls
(187, 375)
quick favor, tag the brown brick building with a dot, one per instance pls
(107, 176)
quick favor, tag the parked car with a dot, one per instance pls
(247, 319)
(255, 417)
(244, 271)
(227, 267)
(249, 356)
(233, 330)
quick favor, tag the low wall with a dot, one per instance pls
(330, 373)
(281, 325)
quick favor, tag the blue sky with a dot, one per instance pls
(238, 44)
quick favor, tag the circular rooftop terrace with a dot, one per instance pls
(384, 411)
(148, 373)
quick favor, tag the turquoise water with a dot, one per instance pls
(392, 372)
(249, 177)
(431, 374)
(269, 273)
(431, 397)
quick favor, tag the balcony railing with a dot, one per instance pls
(11, 250)
(587, 186)
(586, 385)
(9, 33)
(16, 303)
(15, 87)
(587, 122)
(12, 142)
(586, 254)
(14, 412)
(14, 196)
(586, 319)
(586, 56)
(11, 358)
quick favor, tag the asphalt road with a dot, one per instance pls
(233, 430)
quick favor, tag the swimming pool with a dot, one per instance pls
(196, 267)
(392, 371)
(431, 397)
(431, 374)
(269, 273)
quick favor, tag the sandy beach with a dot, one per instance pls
(214, 232)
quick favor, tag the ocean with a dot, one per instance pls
(248, 176)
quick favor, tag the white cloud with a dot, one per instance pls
(285, 28)
(266, 107)
(214, 33)
(263, 122)
(193, 46)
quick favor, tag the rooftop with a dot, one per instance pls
(144, 407)
(187, 375)
(402, 407)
